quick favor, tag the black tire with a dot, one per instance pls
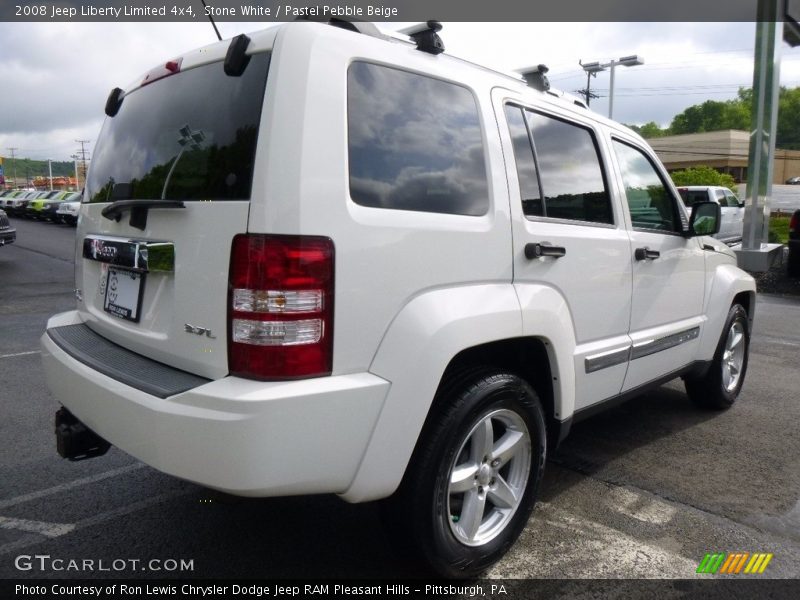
(719, 387)
(423, 515)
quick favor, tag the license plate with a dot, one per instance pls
(123, 293)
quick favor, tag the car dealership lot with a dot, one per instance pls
(644, 490)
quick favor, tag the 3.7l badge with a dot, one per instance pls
(189, 328)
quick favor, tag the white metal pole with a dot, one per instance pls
(50, 168)
(611, 92)
(77, 179)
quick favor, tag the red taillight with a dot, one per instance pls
(280, 307)
(794, 223)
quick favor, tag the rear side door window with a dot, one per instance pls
(650, 203)
(571, 184)
(414, 143)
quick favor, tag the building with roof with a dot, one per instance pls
(724, 150)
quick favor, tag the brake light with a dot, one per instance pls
(281, 307)
(794, 223)
(169, 68)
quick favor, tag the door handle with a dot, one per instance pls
(538, 250)
(646, 254)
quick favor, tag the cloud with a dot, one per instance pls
(57, 76)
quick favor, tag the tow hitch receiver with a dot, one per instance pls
(74, 440)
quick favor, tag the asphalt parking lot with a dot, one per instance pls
(642, 491)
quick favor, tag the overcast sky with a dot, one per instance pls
(56, 76)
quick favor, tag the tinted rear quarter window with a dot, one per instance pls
(414, 143)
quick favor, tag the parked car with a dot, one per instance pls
(730, 230)
(51, 210)
(68, 211)
(6, 200)
(415, 275)
(8, 234)
(793, 181)
(793, 262)
(17, 205)
(34, 206)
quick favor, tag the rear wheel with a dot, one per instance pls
(471, 484)
(719, 387)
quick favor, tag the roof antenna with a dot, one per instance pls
(210, 18)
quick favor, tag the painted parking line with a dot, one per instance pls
(68, 486)
(29, 353)
(94, 520)
(51, 530)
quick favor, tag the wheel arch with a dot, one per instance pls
(729, 285)
(435, 335)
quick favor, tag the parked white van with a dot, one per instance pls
(322, 260)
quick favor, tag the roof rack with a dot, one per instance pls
(426, 37)
(535, 77)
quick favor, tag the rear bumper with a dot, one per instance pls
(243, 437)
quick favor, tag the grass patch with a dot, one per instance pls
(780, 227)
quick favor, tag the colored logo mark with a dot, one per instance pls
(733, 563)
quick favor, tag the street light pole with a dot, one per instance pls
(596, 67)
(611, 91)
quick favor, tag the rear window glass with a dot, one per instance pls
(691, 197)
(415, 143)
(189, 136)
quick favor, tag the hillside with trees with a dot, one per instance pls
(714, 115)
(28, 168)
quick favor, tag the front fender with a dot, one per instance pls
(726, 281)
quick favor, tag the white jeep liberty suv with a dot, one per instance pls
(323, 260)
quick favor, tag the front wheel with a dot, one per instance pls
(723, 381)
(471, 484)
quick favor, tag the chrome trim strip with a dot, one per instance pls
(649, 347)
(138, 255)
(605, 360)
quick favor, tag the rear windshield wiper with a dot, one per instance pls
(138, 210)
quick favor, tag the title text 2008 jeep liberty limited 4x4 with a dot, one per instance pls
(320, 260)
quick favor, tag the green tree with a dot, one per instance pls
(712, 115)
(650, 130)
(789, 119)
(703, 176)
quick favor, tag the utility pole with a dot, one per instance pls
(50, 168)
(82, 153)
(77, 179)
(587, 92)
(14, 164)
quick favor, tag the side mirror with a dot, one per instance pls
(706, 217)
